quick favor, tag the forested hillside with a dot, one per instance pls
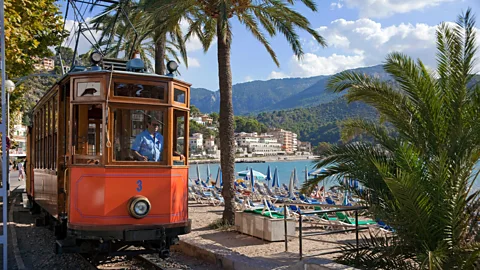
(319, 123)
(277, 94)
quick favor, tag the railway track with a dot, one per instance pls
(136, 262)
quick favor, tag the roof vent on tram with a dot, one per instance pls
(136, 64)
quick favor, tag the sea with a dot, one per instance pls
(284, 169)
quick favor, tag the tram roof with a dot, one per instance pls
(87, 72)
(121, 72)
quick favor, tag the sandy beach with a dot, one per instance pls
(269, 252)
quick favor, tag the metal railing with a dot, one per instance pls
(302, 236)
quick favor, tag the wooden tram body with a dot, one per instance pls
(81, 170)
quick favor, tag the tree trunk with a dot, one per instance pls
(160, 45)
(227, 145)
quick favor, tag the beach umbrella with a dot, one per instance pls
(275, 178)
(306, 174)
(295, 178)
(208, 174)
(345, 195)
(198, 173)
(269, 175)
(290, 186)
(218, 183)
(258, 175)
(252, 180)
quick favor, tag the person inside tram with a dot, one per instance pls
(148, 144)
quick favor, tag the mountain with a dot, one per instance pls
(259, 96)
(318, 123)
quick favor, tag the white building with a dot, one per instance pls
(259, 145)
(19, 136)
(196, 142)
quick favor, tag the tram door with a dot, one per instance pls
(62, 154)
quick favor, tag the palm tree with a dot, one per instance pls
(152, 39)
(210, 18)
(418, 167)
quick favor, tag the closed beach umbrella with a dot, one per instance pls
(290, 187)
(252, 180)
(275, 178)
(218, 183)
(208, 174)
(306, 174)
(295, 178)
(269, 175)
(345, 195)
(198, 173)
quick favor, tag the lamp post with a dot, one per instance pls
(10, 87)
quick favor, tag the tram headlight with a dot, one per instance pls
(139, 207)
(96, 58)
(172, 66)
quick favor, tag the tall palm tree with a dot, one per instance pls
(152, 39)
(418, 169)
(210, 18)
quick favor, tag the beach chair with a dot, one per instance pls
(351, 221)
(308, 200)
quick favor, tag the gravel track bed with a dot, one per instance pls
(36, 245)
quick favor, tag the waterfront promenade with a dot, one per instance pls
(256, 159)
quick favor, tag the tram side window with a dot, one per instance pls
(138, 135)
(87, 134)
(179, 95)
(179, 128)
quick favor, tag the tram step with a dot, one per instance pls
(26, 202)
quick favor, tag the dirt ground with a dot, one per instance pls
(272, 252)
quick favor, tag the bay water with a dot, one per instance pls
(284, 169)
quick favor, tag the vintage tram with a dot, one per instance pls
(107, 160)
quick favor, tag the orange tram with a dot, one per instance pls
(107, 159)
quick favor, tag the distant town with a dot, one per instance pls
(275, 142)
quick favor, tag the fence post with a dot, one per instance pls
(356, 230)
(285, 225)
(300, 234)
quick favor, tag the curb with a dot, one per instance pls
(221, 256)
(13, 232)
(231, 260)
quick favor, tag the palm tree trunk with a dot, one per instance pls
(227, 142)
(160, 45)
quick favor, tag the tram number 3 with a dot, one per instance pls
(139, 185)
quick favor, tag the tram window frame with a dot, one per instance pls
(55, 132)
(112, 134)
(185, 92)
(99, 97)
(177, 161)
(153, 101)
(85, 159)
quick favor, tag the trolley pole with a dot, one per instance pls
(3, 130)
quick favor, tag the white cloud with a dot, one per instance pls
(192, 44)
(313, 65)
(193, 62)
(336, 5)
(248, 79)
(363, 42)
(83, 44)
(385, 8)
(277, 75)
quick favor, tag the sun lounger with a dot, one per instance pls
(351, 221)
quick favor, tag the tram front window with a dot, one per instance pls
(139, 135)
(87, 134)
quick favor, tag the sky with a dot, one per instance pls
(359, 33)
